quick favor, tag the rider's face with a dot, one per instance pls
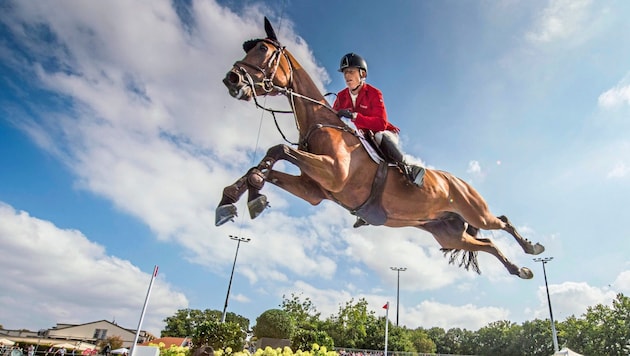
(352, 77)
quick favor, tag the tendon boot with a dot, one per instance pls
(392, 151)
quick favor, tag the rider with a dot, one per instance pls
(363, 104)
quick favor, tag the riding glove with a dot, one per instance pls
(345, 113)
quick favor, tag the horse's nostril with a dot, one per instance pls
(233, 78)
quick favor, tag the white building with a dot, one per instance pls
(78, 334)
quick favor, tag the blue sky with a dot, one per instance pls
(117, 138)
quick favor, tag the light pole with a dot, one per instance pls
(553, 325)
(398, 270)
(227, 297)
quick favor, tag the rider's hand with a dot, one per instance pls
(345, 113)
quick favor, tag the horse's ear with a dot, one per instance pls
(271, 34)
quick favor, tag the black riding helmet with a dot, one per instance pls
(353, 60)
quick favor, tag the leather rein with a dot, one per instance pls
(268, 86)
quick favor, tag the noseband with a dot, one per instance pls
(267, 78)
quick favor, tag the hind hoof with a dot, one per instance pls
(256, 206)
(225, 213)
(525, 273)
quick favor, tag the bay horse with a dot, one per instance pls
(334, 165)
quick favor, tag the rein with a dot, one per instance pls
(267, 85)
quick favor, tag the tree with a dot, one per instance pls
(496, 338)
(302, 313)
(574, 332)
(422, 342)
(186, 321)
(399, 339)
(114, 342)
(274, 323)
(348, 327)
(535, 338)
(438, 335)
(307, 325)
(219, 335)
(607, 331)
(454, 341)
(303, 339)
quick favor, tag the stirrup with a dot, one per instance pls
(360, 222)
(416, 175)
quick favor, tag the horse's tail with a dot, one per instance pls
(468, 259)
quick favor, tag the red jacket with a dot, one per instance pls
(370, 109)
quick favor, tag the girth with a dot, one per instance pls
(372, 210)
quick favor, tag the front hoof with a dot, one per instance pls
(525, 273)
(257, 205)
(538, 249)
(225, 213)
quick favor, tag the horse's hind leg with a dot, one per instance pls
(453, 234)
(527, 245)
(474, 209)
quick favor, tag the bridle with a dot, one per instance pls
(274, 62)
(268, 86)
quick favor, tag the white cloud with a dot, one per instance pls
(154, 131)
(152, 128)
(571, 298)
(474, 167)
(467, 316)
(615, 97)
(80, 282)
(560, 20)
(622, 283)
(241, 298)
(620, 170)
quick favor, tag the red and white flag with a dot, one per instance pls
(386, 306)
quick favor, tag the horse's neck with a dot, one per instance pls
(307, 112)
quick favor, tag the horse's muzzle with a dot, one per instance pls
(237, 87)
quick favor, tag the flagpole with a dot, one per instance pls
(386, 325)
(144, 308)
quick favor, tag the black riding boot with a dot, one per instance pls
(392, 151)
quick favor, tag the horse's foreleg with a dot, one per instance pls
(226, 211)
(328, 172)
(256, 202)
(301, 186)
(526, 245)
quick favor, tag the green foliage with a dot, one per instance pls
(219, 335)
(605, 330)
(307, 325)
(185, 321)
(302, 313)
(535, 338)
(349, 327)
(303, 339)
(496, 338)
(602, 330)
(421, 341)
(314, 350)
(173, 350)
(274, 323)
(114, 342)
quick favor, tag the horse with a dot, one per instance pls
(335, 165)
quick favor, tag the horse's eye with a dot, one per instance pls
(263, 47)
